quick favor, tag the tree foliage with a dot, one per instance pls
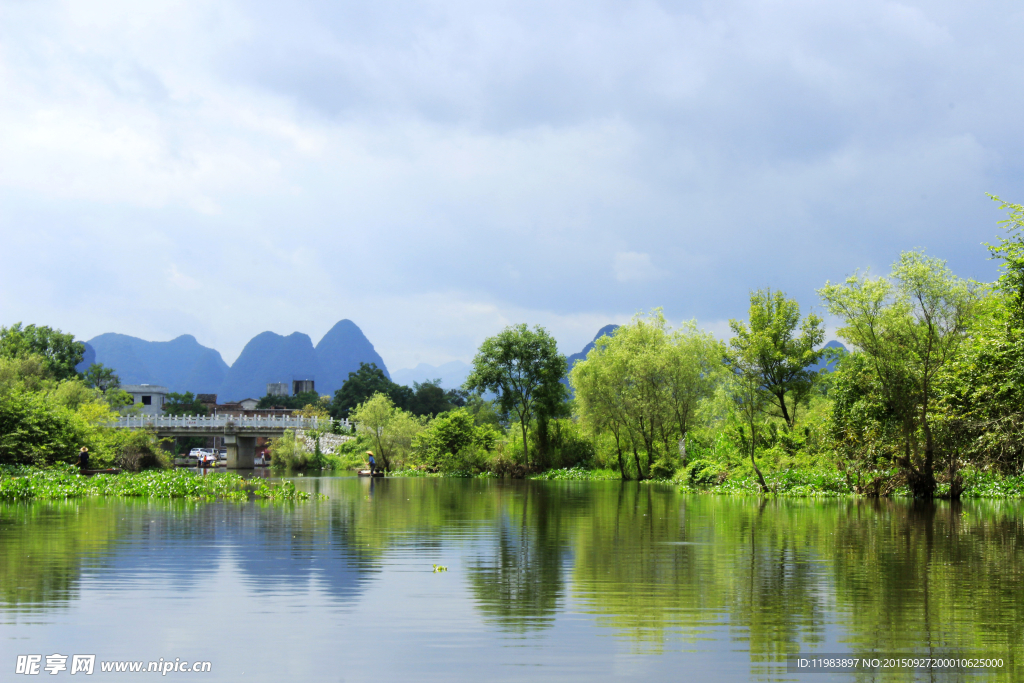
(391, 428)
(643, 385)
(452, 442)
(59, 350)
(778, 348)
(101, 377)
(910, 325)
(183, 404)
(524, 369)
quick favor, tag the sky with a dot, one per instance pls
(435, 171)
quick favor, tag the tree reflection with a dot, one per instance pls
(518, 583)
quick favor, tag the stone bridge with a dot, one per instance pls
(239, 432)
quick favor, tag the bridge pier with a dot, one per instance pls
(241, 451)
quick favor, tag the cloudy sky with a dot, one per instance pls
(435, 171)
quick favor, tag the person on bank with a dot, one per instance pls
(373, 463)
(83, 458)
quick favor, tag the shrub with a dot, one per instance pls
(452, 443)
(664, 468)
(36, 431)
(140, 450)
(702, 472)
(287, 452)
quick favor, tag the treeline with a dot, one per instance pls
(427, 398)
(930, 393)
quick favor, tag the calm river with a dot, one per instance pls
(545, 581)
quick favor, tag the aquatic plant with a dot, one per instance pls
(64, 481)
(575, 474)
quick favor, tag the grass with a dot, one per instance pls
(63, 482)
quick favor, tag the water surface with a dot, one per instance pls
(546, 581)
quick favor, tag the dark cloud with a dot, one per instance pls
(432, 165)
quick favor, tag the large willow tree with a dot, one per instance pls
(643, 385)
(910, 325)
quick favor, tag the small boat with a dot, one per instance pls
(110, 470)
(366, 473)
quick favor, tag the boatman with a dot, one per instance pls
(373, 463)
(83, 458)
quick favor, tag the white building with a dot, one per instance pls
(248, 403)
(149, 396)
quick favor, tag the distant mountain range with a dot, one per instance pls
(183, 364)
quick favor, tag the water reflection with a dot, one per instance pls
(668, 576)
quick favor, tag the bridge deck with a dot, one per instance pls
(215, 425)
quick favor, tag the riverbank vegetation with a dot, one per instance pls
(61, 482)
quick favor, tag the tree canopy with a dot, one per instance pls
(183, 404)
(910, 325)
(643, 385)
(60, 351)
(771, 347)
(524, 369)
(390, 428)
(362, 385)
(99, 376)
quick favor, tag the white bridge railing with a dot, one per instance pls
(221, 422)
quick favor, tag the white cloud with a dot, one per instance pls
(631, 266)
(181, 280)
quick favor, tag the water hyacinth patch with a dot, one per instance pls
(64, 482)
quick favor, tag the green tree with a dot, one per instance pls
(749, 398)
(391, 428)
(183, 404)
(322, 425)
(778, 347)
(524, 369)
(1010, 251)
(61, 352)
(596, 385)
(430, 399)
(911, 325)
(644, 385)
(982, 393)
(693, 370)
(26, 373)
(294, 402)
(99, 376)
(450, 440)
(362, 385)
